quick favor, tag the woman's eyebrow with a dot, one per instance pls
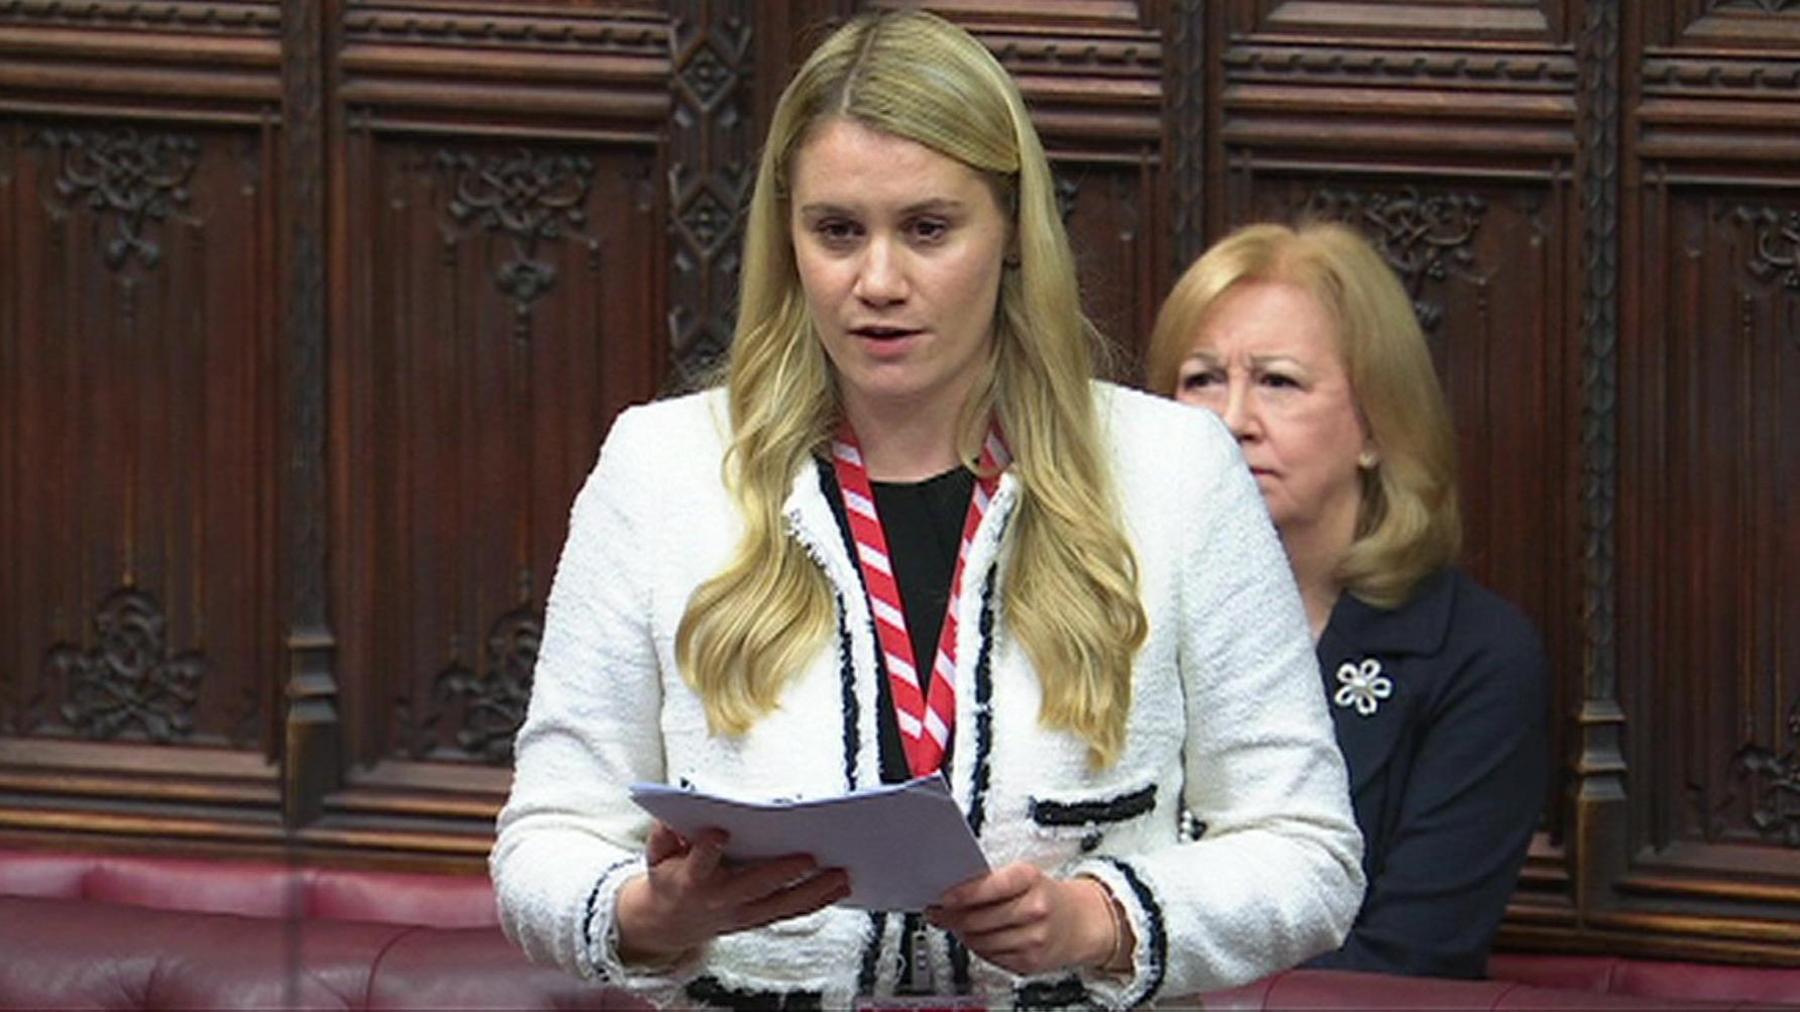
(930, 205)
(823, 208)
(1267, 360)
(1212, 360)
(934, 205)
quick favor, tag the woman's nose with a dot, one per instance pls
(879, 280)
(1239, 413)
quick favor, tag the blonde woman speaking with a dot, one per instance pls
(909, 532)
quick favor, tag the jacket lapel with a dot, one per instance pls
(1364, 658)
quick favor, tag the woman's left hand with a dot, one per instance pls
(1021, 919)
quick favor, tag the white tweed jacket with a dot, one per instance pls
(1225, 829)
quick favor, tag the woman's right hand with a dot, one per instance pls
(691, 896)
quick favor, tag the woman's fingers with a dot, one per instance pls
(996, 886)
(692, 894)
(663, 844)
(1028, 922)
(1017, 910)
(1014, 952)
(747, 883)
(772, 884)
(705, 851)
(796, 900)
(1021, 948)
(1004, 896)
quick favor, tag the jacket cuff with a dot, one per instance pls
(1149, 952)
(660, 982)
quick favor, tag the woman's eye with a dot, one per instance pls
(930, 229)
(836, 231)
(1279, 381)
(1199, 380)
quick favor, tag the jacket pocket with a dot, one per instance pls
(1087, 819)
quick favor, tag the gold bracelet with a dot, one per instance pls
(1117, 960)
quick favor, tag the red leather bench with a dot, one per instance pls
(252, 889)
(131, 932)
(1652, 978)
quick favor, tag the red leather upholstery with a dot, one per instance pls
(119, 932)
(62, 954)
(252, 889)
(1337, 989)
(442, 901)
(1676, 981)
(478, 968)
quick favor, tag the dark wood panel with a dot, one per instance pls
(713, 144)
(1731, 24)
(580, 71)
(1509, 22)
(1720, 347)
(178, 60)
(140, 344)
(1091, 70)
(1119, 255)
(1705, 478)
(504, 307)
(1716, 110)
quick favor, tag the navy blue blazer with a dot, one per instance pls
(1441, 708)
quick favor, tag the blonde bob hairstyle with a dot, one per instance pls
(1069, 589)
(1409, 523)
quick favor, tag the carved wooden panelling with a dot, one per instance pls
(502, 315)
(1488, 83)
(1719, 82)
(1710, 482)
(712, 168)
(1513, 22)
(1094, 87)
(204, 61)
(1186, 127)
(1771, 768)
(1734, 24)
(1116, 246)
(1721, 354)
(594, 71)
(137, 395)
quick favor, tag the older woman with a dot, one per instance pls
(1305, 343)
(910, 534)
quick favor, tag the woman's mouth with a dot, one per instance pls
(883, 333)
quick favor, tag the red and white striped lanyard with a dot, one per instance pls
(925, 717)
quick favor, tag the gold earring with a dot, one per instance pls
(1367, 460)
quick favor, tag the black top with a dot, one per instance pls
(1447, 773)
(923, 523)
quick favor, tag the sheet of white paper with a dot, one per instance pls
(902, 844)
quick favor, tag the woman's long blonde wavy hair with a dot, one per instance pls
(1409, 520)
(1070, 587)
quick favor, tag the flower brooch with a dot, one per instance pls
(1362, 686)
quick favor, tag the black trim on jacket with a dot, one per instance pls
(709, 992)
(984, 710)
(1082, 813)
(587, 919)
(1158, 939)
(871, 958)
(847, 677)
(1067, 992)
